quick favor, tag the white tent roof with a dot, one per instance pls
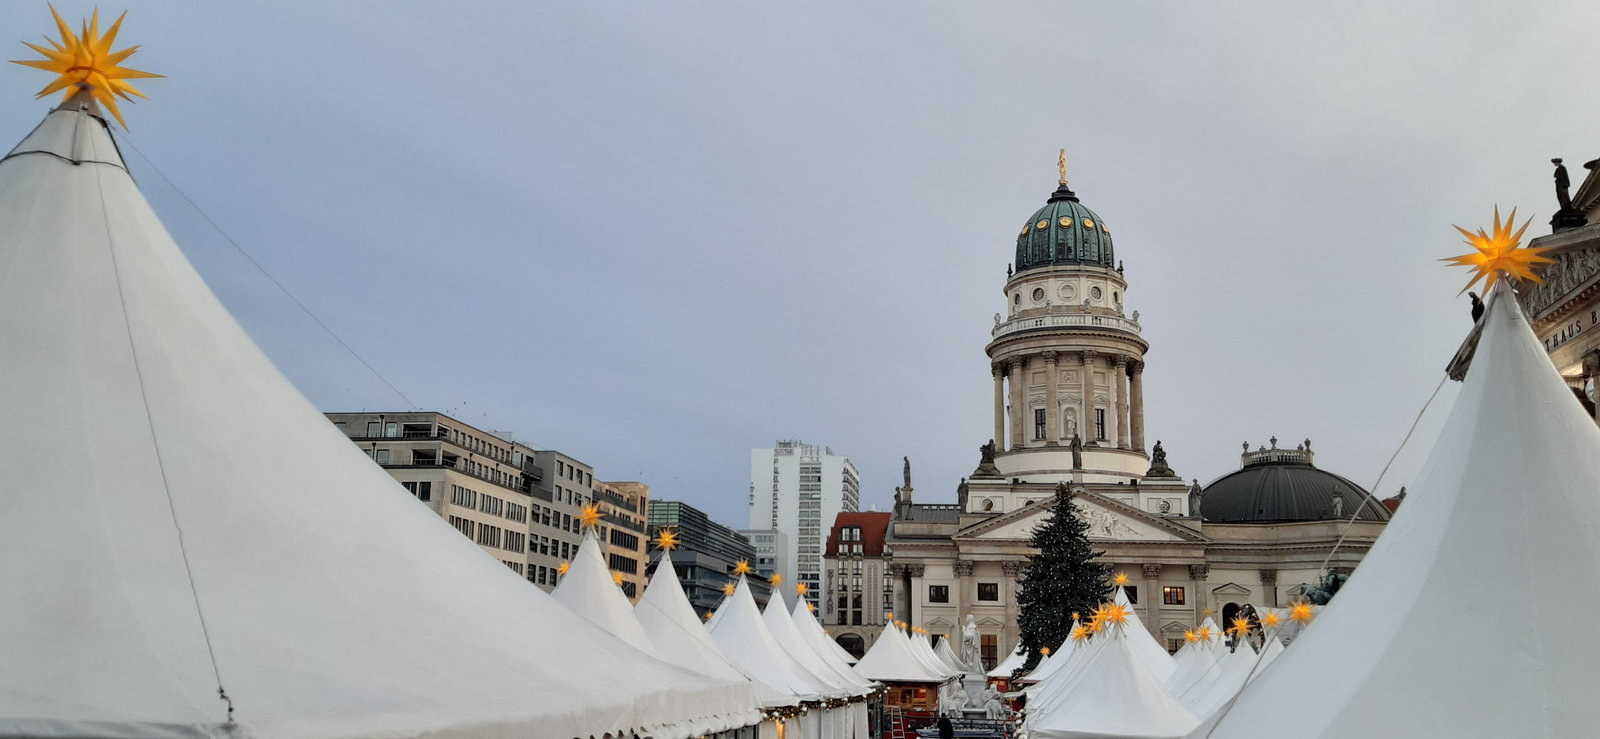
(1016, 658)
(1111, 694)
(1057, 658)
(678, 636)
(1142, 642)
(1269, 654)
(588, 590)
(890, 660)
(808, 622)
(740, 632)
(947, 656)
(1197, 665)
(818, 640)
(1233, 669)
(922, 648)
(1508, 496)
(781, 626)
(138, 412)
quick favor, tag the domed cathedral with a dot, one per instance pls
(1068, 360)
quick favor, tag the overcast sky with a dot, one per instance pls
(655, 235)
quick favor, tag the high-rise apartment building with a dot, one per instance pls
(799, 489)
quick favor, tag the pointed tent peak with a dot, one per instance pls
(84, 63)
(589, 589)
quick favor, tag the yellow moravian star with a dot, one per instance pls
(777, 579)
(1301, 613)
(562, 568)
(616, 577)
(1271, 620)
(86, 62)
(800, 588)
(742, 568)
(667, 539)
(590, 517)
(1496, 252)
(1241, 627)
(1121, 578)
(728, 588)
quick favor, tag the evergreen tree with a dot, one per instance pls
(1064, 577)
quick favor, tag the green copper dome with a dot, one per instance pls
(1064, 232)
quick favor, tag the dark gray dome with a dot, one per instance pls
(1282, 485)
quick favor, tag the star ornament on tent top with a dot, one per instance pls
(1241, 626)
(1301, 612)
(1121, 578)
(728, 588)
(1497, 252)
(776, 579)
(742, 568)
(1189, 636)
(667, 539)
(800, 588)
(85, 61)
(562, 568)
(1271, 620)
(590, 517)
(616, 578)
(1044, 651)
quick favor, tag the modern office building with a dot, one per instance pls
(707, 553)
(519, 503)
(798, 489)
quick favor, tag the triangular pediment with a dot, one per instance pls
(1109, 520)
(1231, 589)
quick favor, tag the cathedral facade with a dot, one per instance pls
(1067, 362)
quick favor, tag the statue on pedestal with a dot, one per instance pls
(971, 658)
(1567, 216)
(1077, 452)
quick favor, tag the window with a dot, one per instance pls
(1133, 593)
(988, 650)
(1100, 424)
(938, 593)
(989, 591)
(1172, 596)
(1038, 423)
(391, 429)
(423, 490)
(465, 526)
(339, 425)
(372, 429)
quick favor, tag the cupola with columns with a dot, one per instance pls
(1067, 358)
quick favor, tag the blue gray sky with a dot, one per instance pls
(655, 235)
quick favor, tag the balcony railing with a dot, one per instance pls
(1067, 320)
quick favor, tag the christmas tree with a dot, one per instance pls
(1063, 578)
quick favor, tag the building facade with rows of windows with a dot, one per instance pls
(797, 489)
(1067, 362)
(519, 504)
(858, 591)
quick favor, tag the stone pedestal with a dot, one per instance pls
(974, 684)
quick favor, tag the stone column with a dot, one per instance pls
(1119, 397)
(999, 371)
(1136, 400)
(963, 597)
(1152, 601)
(1009, 632)
(1269, 583)
(1017, 409)
(917, 594)
(1197, 583)
(1052, 406)
(1086, 419)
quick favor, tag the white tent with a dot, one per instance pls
(1270, 652)
(1014, 659)
(743, 637)
(948, 656)
(179, 517)
(1508, 497)
(781, 625)
(1233, 669)
(588, 590)
(890, 660)
(812, 633)
(1142, 642)
(922, 648)
(678, 636)
(1196, 665)
(833, 646)
(1058, 658)
(1111, 693)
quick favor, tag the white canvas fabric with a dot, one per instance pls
(1270, 652)
(811, 632)
(947, 656)
(1142, 642)
(1197, 665)
(161, 467)
(781, 626)
(889, 660)
(588, 590)
(1014, 659)
(923, 650)
(813, 629)
(678, 636)
(1233, 670)
(743, 637)
(1110, 693)
(1508, 497)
